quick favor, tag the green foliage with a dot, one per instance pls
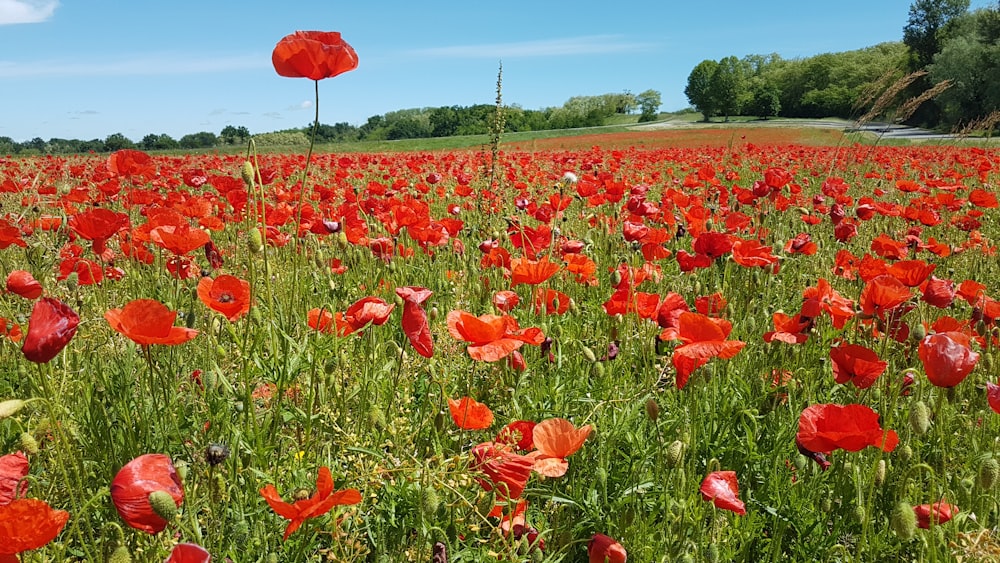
(729, 87)
(202, 140)
(970, 60)
(117, 142)
(649, 104)
(925, 26)
(699, 88)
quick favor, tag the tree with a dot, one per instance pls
(649, 104)
(231, 135)
(970, 61)
(765, 100)
(699, 88)
(116, 142)
(924, 27)
(201, 140)
(729, 87)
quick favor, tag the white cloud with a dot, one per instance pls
(143, 65)
(586, 45)
(26, 11)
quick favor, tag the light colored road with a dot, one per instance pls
(882, 130)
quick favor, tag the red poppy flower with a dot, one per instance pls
(27, 524)
(787, 329)
(368, 310)
(505, 471)
(415, 325)
(937, 513)
(98, 225)
(225, 294)
(713, 244)
(605, 549)
(146, 321)
(131, 163)
(179, 238)
(703, 338)
(136, 481)
(938, 292)
(50, 328)
(882, 294)
(827, 427)
(721, 488)
(947, 358)
(993, 396)
(10, 234)
(321, 502)
(519, 434)
(911, 272)
(188, 553)
(856, 364)
(13, 468)
(669, 312)
(22, 283)
(556, 440)
(506, 300)
(491, 337)
(531, 272)
(470, 414)
(313, 54)
(551, 301)
(753, 254)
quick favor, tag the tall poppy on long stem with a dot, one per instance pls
(415, 325)
(491, 337)
(50, 328)
(315, 55)
(147, 321)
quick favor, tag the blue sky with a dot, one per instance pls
(87, 68)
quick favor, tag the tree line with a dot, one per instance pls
(445, 121)
(945, 73)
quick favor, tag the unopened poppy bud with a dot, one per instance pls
(247, 173)
(10, 407)
(601, 476)
(255, 241)
(918, 332)
(28, 443)
(121, 554)
(598, 370)
(903, 521)
(434, 313)
(675, 454)
(216, 453)
(430, 501)
(190, 318)
(588, 353)
(220, 492)
(616, 278)
(859, 513)
(826, 505)
(920, 418)
(880, 473)
(163, 505)
(72, 281)
(652, 409)
(905, 452)
(989, 473)
(712, 553)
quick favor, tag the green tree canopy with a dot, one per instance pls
(699, 88)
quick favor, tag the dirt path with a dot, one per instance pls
(883, 130)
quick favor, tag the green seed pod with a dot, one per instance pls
(616, 278)
(588, 353)
(675, 454)
(163, 505)
(210, 379)
(903, 521)
(247, 172)
(272, 558)
(598, 369)
(182, 469)
(918, 333)
(190, 318)
(880, 473)
(121, 554)
(905, 452)
(920, 418)
(28, 443)
(826, 504)
(989, 473)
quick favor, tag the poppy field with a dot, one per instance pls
(744, 352)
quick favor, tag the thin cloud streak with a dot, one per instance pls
(26, 11)
(150, 65)
(571, 46)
